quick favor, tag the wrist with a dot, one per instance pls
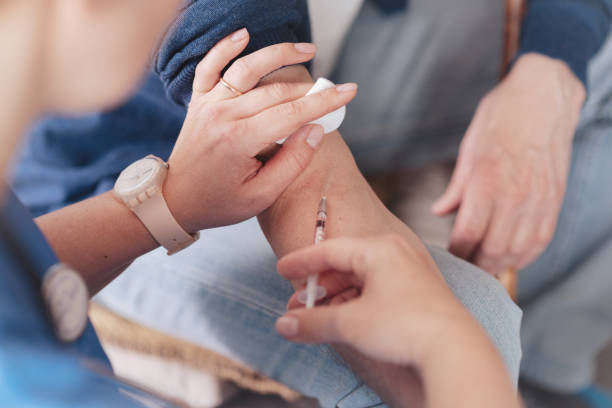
(181, 207)
(465, 358)
(562, 83)
(455, 335)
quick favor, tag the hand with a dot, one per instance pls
(402, 313)
(214, 177)
(511, 174)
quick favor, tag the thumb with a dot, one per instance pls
(450, 200)
(316, 325)
(289, 162)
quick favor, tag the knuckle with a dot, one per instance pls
(201, 70)
(231, 130)
(296, 160)
(487, 181)
(520, 187)
(468, 233)
(213, 112)
(243, 67)
(280, 52)
(300, 159)
(517, 250)
(287, 48)
(492, 249)
(279, 90)
(292, 109)
(327, 100)
(517, 190)
(517, 196)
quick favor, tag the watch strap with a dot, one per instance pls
(156, 216)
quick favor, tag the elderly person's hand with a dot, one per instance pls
(215, 177)
(511, 174)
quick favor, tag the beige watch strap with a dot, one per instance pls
(156, 216)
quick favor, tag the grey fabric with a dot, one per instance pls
(224, 293)
(421, 76)
(418, 85)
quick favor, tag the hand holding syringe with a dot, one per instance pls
(314, 292)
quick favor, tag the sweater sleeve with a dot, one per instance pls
(570, 30)
(203, 23)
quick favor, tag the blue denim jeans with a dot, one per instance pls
(566, 292)
(224, 293)
(418, 91)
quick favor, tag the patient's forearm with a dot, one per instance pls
(353, 210)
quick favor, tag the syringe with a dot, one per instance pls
(311, 285)
(313, 292)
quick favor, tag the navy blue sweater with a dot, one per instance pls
(204, 22)
(570, 30)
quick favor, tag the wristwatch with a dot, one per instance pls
(139, 186)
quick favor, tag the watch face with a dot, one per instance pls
(137, 175)
(67, 301)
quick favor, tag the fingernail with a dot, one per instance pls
(315, 136)
(239, 35)
(287, 326)
(350, 87)
(306, 48)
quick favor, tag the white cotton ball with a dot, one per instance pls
(331, 121)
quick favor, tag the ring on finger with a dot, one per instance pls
(231, 87)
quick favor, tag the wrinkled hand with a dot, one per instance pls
(511, 174)
(214, 177)
(404, 308)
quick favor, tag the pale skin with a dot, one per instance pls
(439, 340)
(101, 236)
(511, 174)
(289, 225)
(199, 194)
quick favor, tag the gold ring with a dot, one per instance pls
(230, 87)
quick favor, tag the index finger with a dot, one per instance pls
(208, 70)
(247, 71)
(341, 255)
(280, 121)
(334, 284)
